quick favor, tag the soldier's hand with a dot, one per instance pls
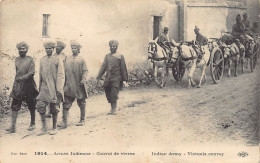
(125, 84)
(81, 83)
(98, 81)
(18, 79)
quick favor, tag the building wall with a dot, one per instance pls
(214, 16)
(170, 17)
(210, 24)
(92, 23)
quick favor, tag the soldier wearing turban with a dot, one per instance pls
(59, 48)
(163, 39)
(75, 44)
(246, 22)
(49, 44)
(52, 78)
(202, 40)
(199, 37)
(75, 86)
(24, 87)
(22, 44)
(116, 74)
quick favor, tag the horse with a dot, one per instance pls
(233, 53)
(189, 58)
(159, 58)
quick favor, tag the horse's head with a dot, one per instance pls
(152, 49)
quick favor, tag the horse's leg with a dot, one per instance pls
(203, 74)
(205, 78)
(155, 75)
(229, 67)
(236, 64)
(166, 75)
(162, 77)
(191, 71)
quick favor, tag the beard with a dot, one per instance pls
(22, 53)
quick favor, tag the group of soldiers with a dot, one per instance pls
(241, 30)
(62, 80)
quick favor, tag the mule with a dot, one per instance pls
(232, 53)
(159, 58)
(189, 57)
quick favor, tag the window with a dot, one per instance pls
(45, 25)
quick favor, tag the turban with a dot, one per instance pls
(21, 44)
(49, 44)
(76, 44)
(113, 43)
(245, 15)
(238, 18)
(61, 44)
(196, 28)
(166, 29)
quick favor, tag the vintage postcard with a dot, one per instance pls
(138, 81)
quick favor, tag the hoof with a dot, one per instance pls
(235, 75)
(198, 86)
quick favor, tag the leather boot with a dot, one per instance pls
(44, 128)
(82, 116)
(32, 125)
(14, 118)
(54, 123)
(64, 123)
(113, 108)
(61, 123)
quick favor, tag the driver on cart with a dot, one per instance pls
(163, 41)
(239, 31)
(202, 40)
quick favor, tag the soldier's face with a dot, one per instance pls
(59, 49)
(22, 51)
(49, 50)
(166, 31)
(75, 50)
(197, 32)
(113, 48)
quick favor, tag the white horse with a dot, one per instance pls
(159, 58)
(189, 57)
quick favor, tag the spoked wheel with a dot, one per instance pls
(216, 65)
(178, 70)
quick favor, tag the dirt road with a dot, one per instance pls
(152, 118)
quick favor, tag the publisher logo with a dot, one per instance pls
(242, 154)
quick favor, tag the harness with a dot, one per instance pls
(192, 56)
(155, 51)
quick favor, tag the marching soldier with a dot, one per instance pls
(59, 48)
(24, 88)
(116, 75)
(75, 86)
(51, 85)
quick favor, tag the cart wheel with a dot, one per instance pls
(178, 70)
(216, 65)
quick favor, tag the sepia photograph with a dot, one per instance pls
(139, 81)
